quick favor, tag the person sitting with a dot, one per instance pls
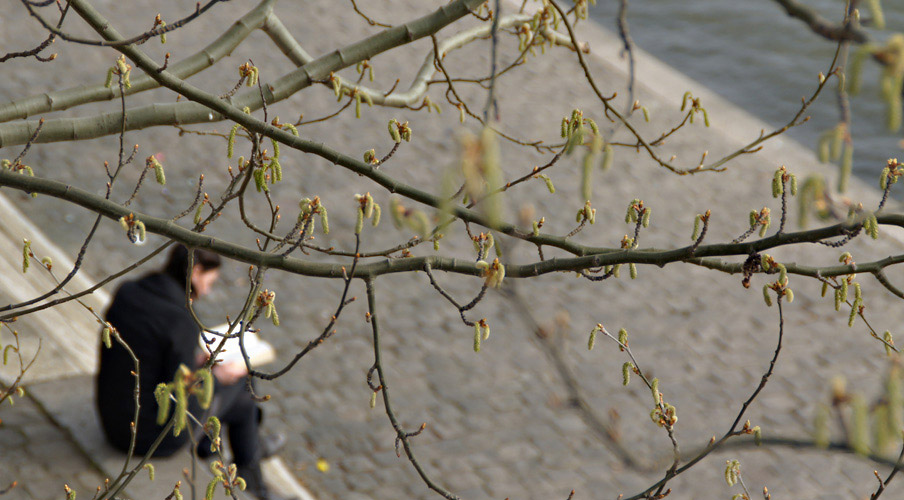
(152, 318)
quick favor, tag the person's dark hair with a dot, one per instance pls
(178, 262)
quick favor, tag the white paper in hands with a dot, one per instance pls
(260, 352)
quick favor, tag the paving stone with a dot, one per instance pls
(498, 424)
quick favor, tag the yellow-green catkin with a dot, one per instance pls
(211, 489)
(230, 143)
(105, 337)
(592, 340)
(26, 255)
(889, 342)
(151, 472)
(821, 427)
(373, 400)
(777, 184)
(766, 297)
(608, 156)
(477, 337)
(632, 267)
(847, 163)
(859, 433)
(627, 368)
(161, 394)
(205, 396)
(654, 389)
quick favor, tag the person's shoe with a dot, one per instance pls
(271, 444)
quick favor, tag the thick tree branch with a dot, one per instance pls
(822, 26)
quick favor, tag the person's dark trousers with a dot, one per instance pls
(239, 415)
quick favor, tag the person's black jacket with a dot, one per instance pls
(151, 317)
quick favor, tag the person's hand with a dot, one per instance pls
(230, 373)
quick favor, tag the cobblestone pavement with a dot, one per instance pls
(499, 424)
(39, 456)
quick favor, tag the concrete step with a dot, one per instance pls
(68, 334)
(70, 403)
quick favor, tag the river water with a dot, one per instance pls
(756, 56)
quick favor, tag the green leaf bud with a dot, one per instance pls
(754, 218)
(486, 332)
(370, 156)
(240, 483)
(70, 493)
(789, 294)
